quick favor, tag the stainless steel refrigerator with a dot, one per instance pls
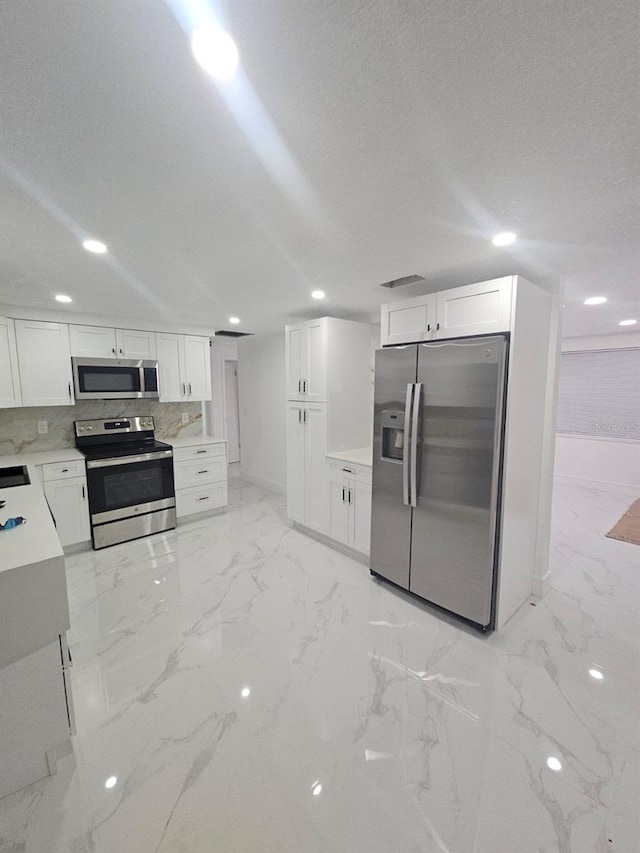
(437, 465)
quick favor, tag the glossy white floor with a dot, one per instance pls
(245, 689)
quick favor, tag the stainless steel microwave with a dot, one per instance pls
(115, 379)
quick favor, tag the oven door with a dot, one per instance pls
(114, 379)
(129, 486)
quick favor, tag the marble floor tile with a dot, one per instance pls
(253, 691)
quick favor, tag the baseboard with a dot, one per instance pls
(600, 485)
(333, 543)
(541, 586)
(271, 485)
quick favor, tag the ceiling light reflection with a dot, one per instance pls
(234, 320)
(111, 781)
(504, 238)
(62, 297)
(553, 763)
(246, 691)
(95, 246)
(595, 300)
(316, 788)
(627, 322)
(215, 51)
(318, 294)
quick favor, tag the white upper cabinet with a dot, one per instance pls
(92, 341)
(197, 367)
(409, 320)
(10, 394)
(44, 359)
(135, 344)
(184, 366)
(101, 342)
(475, 309)
(306, 356)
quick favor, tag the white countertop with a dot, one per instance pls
(33, 590)
(359, 456)
(193, 440)
(42, 457)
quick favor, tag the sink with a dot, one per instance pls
(14, 476)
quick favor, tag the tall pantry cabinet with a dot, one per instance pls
(328, 374)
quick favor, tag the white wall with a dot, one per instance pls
(261, 391)
(599, 462)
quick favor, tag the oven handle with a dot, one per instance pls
(127, 460)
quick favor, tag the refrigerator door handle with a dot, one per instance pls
(405, 446)
(415, 422)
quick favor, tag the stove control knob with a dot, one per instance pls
(89, 427)
(80, 428)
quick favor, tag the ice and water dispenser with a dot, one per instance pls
(392, 435)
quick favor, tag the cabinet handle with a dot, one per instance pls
(304, 386)
(70, 395)
(349, 470)
(437, 326)
(349, 494)
(305, 416)
(201, 451)
(83, 494)
(113, 350)
(184, 390)
(203, 472)
(428, 327)
(205, 498)
(121, 352)
(64, 470)
(343, 496)
(299, 386)
(299, 416)
(189, 389)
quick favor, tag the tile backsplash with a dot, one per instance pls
(19, 427)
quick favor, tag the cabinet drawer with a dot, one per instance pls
(346, 470)
(200, 451)
(63, 470)
(200, 499)
(201, 470)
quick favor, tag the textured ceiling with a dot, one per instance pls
(360, 142)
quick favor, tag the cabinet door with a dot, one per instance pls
(9, 377)
(44, 359)
(361, 516)
(339, 524)
(133, 344)
(170, 353)
(67, 500)
(92, 341)
(296, 359)
(314, 377)
(316, 476)
(408, 320)
(475, 309)
(295, 463)
(197, 368)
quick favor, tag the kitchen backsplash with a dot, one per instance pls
(19, 427)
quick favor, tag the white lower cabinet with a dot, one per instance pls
(306, 472)
(200, 474)
(67, 499)
(350, 505)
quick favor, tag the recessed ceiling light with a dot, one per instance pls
(95, 246)
(316, 788)
(595, 673)
(246, 691)
(234, 320)
(111, 781)
(595, 300)
(554, 764)
(504, 238)
(627, 322)
(318, 294)
(62, 297)
(215, 51)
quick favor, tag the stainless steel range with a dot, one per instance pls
(129, 479)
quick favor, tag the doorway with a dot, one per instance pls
(231, 410)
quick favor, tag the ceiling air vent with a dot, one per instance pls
(400, 282)
(223, 333)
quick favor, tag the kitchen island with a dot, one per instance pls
(36, 708)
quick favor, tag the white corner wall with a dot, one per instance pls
(261, 392)
(603, 463)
